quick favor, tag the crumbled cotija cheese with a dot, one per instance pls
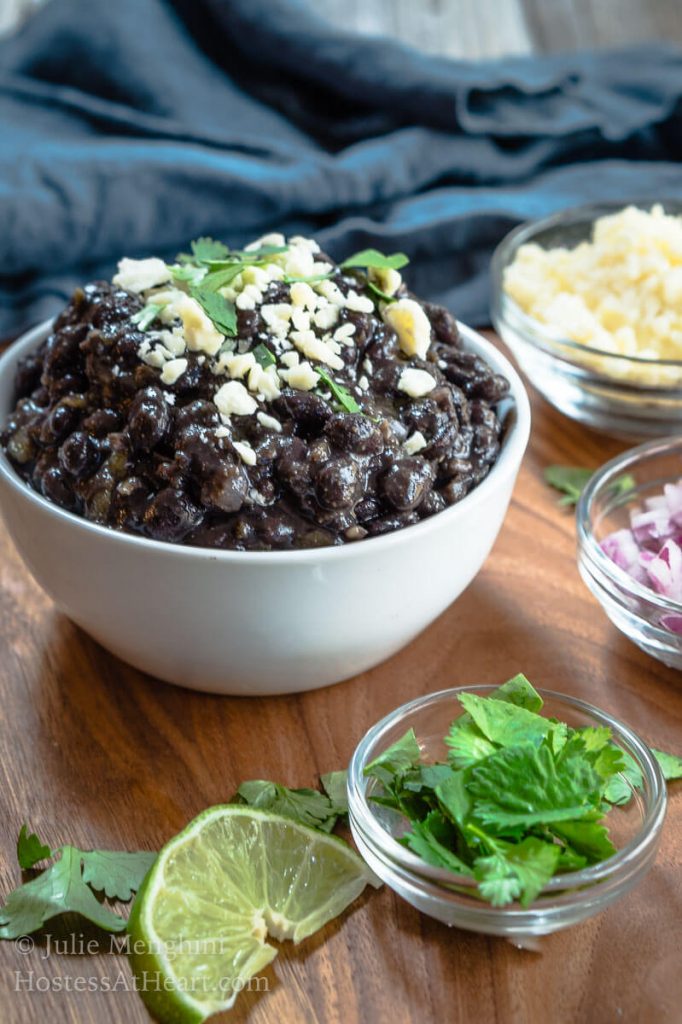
(620, 293)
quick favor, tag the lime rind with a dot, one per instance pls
(233, 876)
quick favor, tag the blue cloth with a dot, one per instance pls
(131, 126)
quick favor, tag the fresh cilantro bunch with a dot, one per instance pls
(522, 797)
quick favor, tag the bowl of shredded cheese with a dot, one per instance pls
(590, 303)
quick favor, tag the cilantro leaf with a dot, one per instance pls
(523, 786)
(30, 849)
(221, 277)
(588, 838)
(60, 889)
(187, 272)
(400, 756)
(570, 860)
(516, 870)
(257, 255)
(670, 764)
(205, 250)
(453, 797)
(217, 308)
(569, 479)
(620, 787)
(519, 691)
(432, 775)
(374, 258)
(263, 355)
(307, 806)
(378, 294)
(572, 480)
(147, 314)
(504, 723)
(431, 840)
(116, 873)
(335, 786)
(340, 393)
(467, 743)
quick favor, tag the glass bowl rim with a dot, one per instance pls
(541, 335)
(588, 543)
(421, 873)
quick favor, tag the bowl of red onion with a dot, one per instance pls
(629, 522)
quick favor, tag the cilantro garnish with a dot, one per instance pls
(520, 798)
(307, 806)
(217, 308)
(69, 884)
(572, 480)
(340, 393)
(30, 849)
(670, 764)
(205, 250)
(213, 265)
(378, 294)
(263, 356)
(374, 258)
(187, 272)
(147, 314)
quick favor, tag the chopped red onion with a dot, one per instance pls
(651, 550)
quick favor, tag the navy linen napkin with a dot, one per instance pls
(129, 127)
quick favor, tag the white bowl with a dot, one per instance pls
(259, 622)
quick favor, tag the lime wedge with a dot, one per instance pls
(199, 923)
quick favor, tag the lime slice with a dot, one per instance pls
(199, 923)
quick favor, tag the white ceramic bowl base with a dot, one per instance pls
(257, 623)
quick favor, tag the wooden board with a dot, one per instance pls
(96, 753)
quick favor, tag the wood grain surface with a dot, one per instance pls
(94, 752)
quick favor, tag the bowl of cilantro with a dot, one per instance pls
(509, 811)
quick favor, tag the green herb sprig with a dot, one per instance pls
(70, 884)
(147, 315)
(264, 356)
(377, 292)
(572, 480)
(212, 265)
(307, 806)
(340, 393)
(373, 258)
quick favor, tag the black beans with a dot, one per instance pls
(80, 455)
(149, 419)
(59, 422)
(338, 484)
(170, 515)
(226, 488)
(55, 486)
(353, 433)
(97, 431)
(308, 412)
(407, 482)
(443, 323)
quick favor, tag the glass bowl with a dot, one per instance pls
(650, 620)
(620, 395)
(567, 899)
